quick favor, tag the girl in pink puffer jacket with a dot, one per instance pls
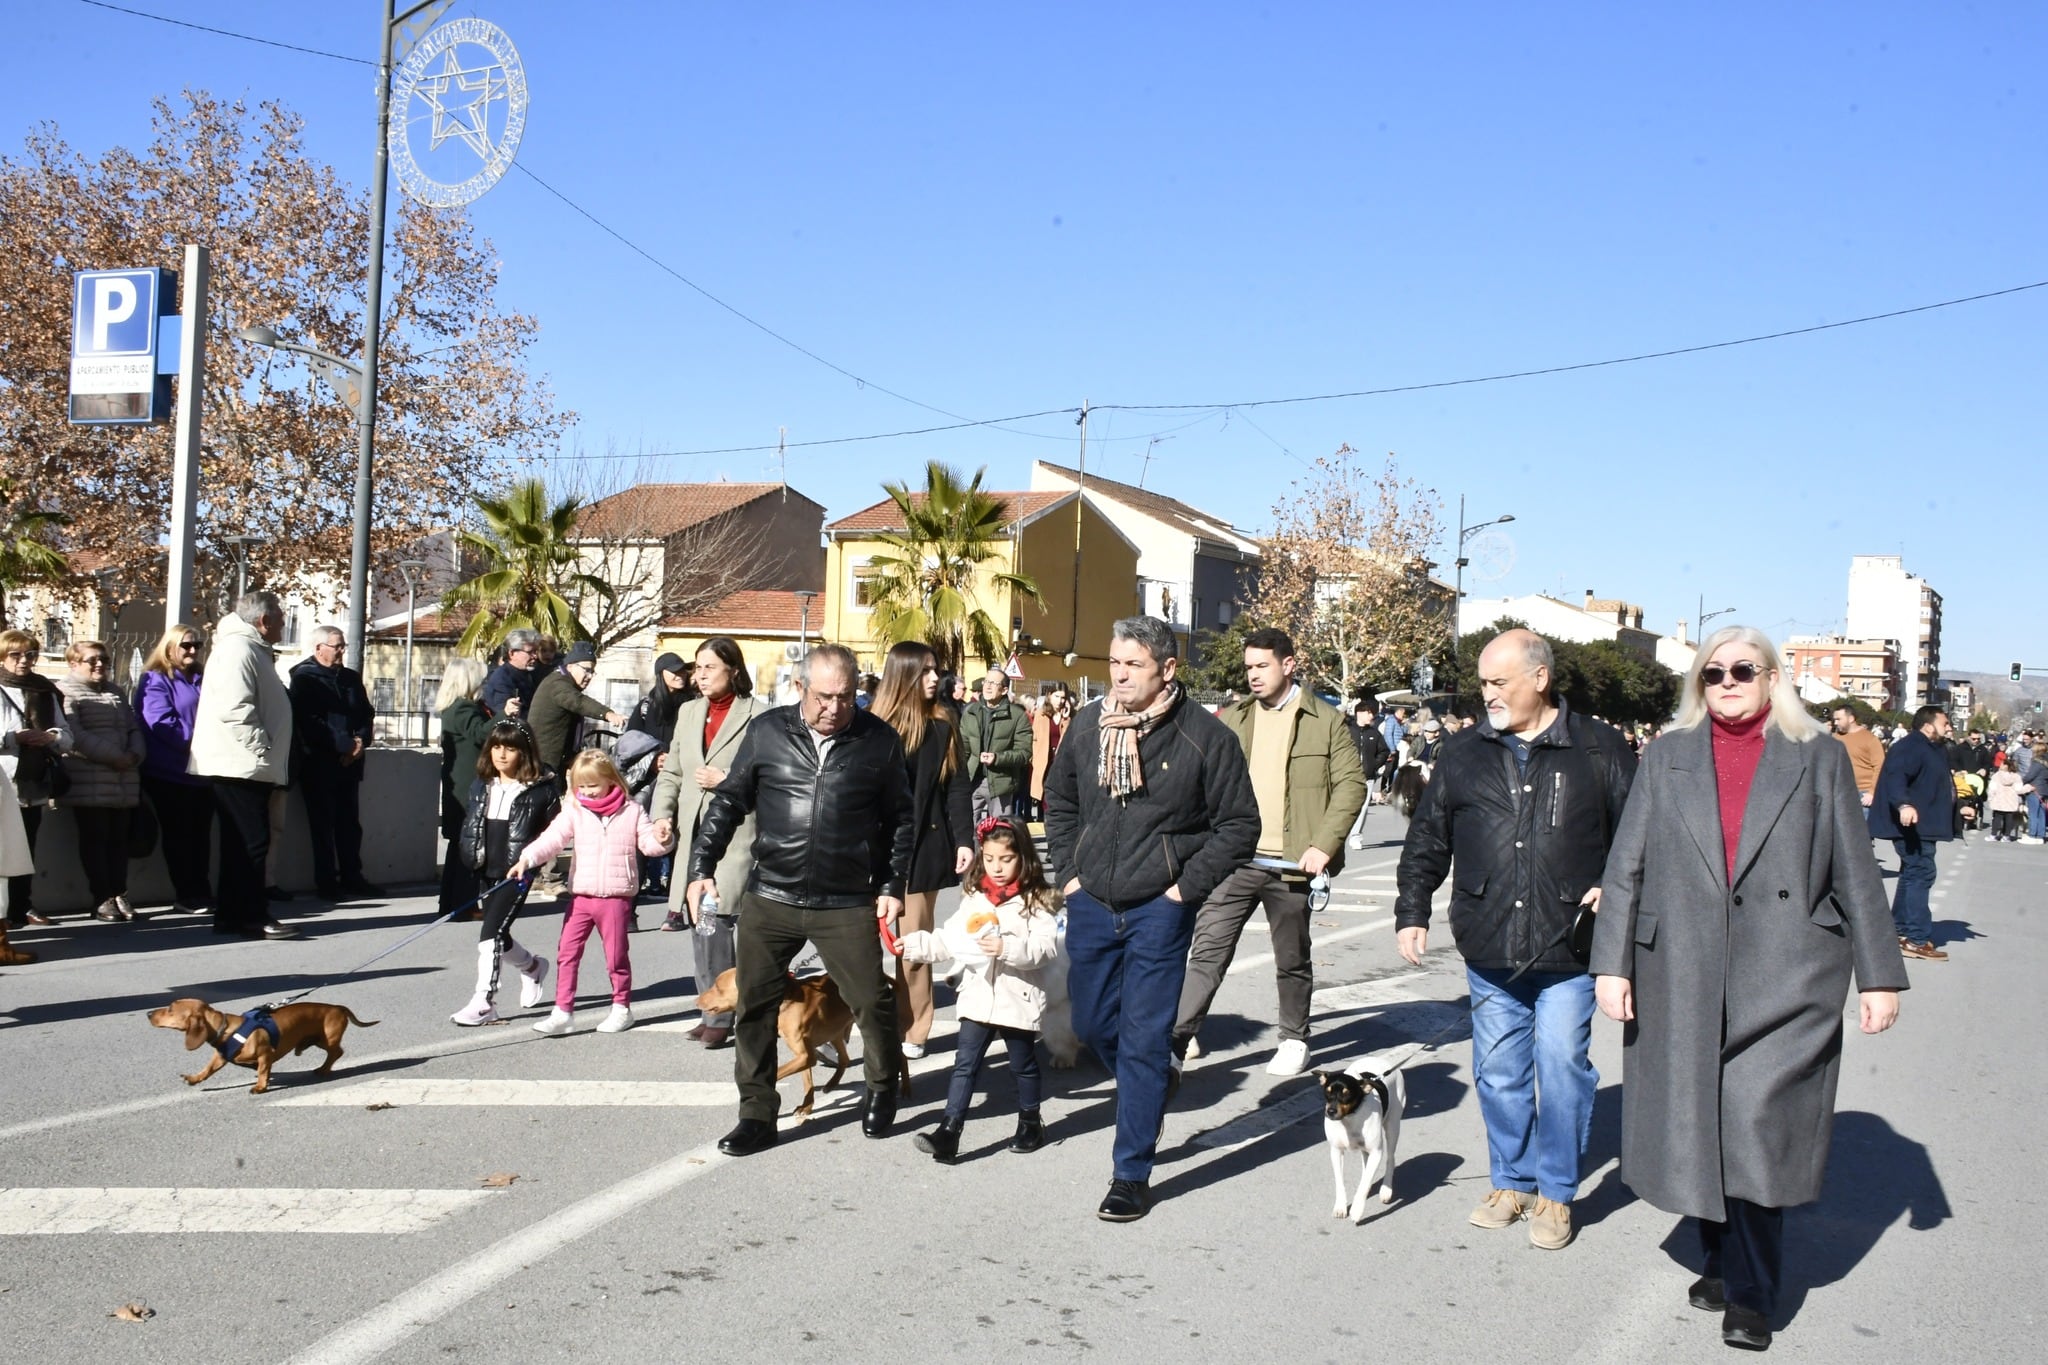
(607, 831)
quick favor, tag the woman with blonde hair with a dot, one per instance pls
(1739, 897)
(106, 782)
(166, 699)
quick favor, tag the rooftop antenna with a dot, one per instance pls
(781, 462)
(1146, 468)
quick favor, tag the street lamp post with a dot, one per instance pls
(409, 567)
(242, 543)
(1465, 533)
(803, 630)
(1700, 623)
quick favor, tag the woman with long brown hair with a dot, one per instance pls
(942, 844)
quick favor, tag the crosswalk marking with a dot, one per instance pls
(34, 1212)
(403, 1092)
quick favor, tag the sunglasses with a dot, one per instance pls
(1713, 674)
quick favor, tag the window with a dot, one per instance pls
(1223, 613)
(383, 693)
(56, 635)
(291, 627)
(426, 688)
(1194, 611)
(864, 591)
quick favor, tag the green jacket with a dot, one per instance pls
(1325, 784)
(1004, 731)
(558, 704)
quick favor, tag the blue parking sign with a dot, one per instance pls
(114, 317)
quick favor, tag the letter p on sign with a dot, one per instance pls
(113, 301)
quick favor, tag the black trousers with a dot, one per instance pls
(103, 849)
(21, 889)
(769, 936)
(1746, 1251)
(184, 818)
(332, 794)
(244, 809)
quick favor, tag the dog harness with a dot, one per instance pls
(255, 1021)
(1378, 1088)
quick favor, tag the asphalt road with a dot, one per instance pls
(355, 1218)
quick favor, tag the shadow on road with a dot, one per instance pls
(240, 991)
(1954, 931)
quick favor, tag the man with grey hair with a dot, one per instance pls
(1148, 807)
(829, 790)
(509, 689)
(333, 723)
(241, 740)
(996, 734)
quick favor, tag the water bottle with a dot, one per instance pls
(1318, 893)
(707, 911)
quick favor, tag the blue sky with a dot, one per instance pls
(1001, 209)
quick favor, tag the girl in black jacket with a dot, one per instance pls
(512, 801)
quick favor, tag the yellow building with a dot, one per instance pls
(1099, 582)
(769, 625)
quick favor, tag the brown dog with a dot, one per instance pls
(812, 1012)
(306, 1024)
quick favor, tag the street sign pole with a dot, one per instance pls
(373, 310)
(184, 527)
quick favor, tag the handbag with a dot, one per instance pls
(142, 831)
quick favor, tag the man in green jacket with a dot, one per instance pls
(996, 733)
(1310, 788)
(559, 703)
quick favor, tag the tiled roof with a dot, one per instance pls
(886, 516)
(1193, 520)
(429, 625)
(750, 611)
(661, 509)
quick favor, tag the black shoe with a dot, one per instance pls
(1126, 1202)
(272, 929)
(36, 918)
(716, 1038)
(747, 1137)
(277, 893)
(942, 1144)
(364, 890)
(1707, 1294)
(1745, 1329)
(1030, 1132)
(877, 1112)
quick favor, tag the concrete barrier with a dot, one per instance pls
(401, 808)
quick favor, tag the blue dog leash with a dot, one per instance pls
(488, 892)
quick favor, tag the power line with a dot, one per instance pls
(827, 440)
(228, 33)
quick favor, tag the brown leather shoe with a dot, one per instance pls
(716, 1038)
(1926, 952)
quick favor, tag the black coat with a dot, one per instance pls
(942, 812)
(1916, 774)
(825, 837)
(330, 711)
(1372, 750)
(533, 810)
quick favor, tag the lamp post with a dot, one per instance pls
(242, 544)
(1700, 622)
(409, 567)
(803, 629)
(1465, 533)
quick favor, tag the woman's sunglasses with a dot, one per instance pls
(1713, 674)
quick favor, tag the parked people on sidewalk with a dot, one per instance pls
(1731, 968)
(1310, 790)
(34, 737)
(465, 725)
(826, 784)
(996, 734)
(509, 689)
(709, 730)
(1866, 752)
(106, 776)
(242, 739)
(333, 724)
(1915, 808)
(1525, 805)
(1148, 808)
(167, 699)
(511, 800)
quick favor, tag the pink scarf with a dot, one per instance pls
(606, 806)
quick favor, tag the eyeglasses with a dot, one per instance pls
(1745, 672)
(27, 656)
(188, 644)
(98, 662)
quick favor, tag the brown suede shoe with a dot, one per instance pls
(1501, 1208)
(1550, 1225)
(1926, 952)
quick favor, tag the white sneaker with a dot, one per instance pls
(556, 1024)
(911, 1052)
(618, 1021)
(1194, 1052)
(1290, 1060)
(2028, 839)
(530, 992)
(477, 1011)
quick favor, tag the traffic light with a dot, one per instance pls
(2015, 672)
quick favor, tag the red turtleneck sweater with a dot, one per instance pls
(1738, 748)
(714, 716)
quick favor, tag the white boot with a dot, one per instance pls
(532, 972)
(479, 1009)
(558, 1022)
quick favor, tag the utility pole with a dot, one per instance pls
(1080, 496)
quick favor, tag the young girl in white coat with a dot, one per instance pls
(1003, 933)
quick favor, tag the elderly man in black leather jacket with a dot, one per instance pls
(830, 794)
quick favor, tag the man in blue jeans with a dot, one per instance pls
(1915, 808)
(1148, 807)
(1526, 802)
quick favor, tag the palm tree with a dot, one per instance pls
(924, 587)
(529, 563)
(25, 551)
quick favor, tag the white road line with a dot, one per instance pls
(1245, 964)
(386, 1090)
(43, 1212)
(435, 1297)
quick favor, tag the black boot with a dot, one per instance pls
(943, 1142)
(1030, 1132)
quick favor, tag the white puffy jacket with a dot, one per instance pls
(243, 728)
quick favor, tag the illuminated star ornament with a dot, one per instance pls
(459, 91)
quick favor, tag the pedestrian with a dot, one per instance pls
(2030, 761)
(1310, 791)
(1004, 933)
(1866, 753)
(509, 689)
(942, 829)
(167, 699)
(16, 860)
(826, 784)
(997, 737)
(1738, 898)
(465, 725)
(2006, 800)
(1148, 808)
(709, 730)
(511, 800)
(1915, 808)
(949, 694)
(333, 724)
(106, 776)
(34, 737)
(241, 740)
(560, 705)
(655, 713)
(1055, 713)
(1372, 761)
(609, 835)
(1525, 805)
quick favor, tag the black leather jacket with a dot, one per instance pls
(1528, 844)
(824, 838)
(533, 810)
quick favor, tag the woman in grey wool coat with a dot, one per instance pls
(1739, 895)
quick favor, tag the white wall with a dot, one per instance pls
(1884, 604)
(1166, 555)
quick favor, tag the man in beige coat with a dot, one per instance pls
(242, 740)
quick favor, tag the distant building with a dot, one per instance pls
(1830, 666)
(1887, 603)
(1593, 618)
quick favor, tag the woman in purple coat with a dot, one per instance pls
(166, 699)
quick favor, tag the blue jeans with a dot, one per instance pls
(1911, 914)
(1125, 973)
(1535, 1081)
(971, 1048)
(2037, 818)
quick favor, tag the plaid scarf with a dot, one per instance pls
(1121, 730)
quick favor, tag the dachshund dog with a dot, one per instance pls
(306, 1024)
(812, 1012)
